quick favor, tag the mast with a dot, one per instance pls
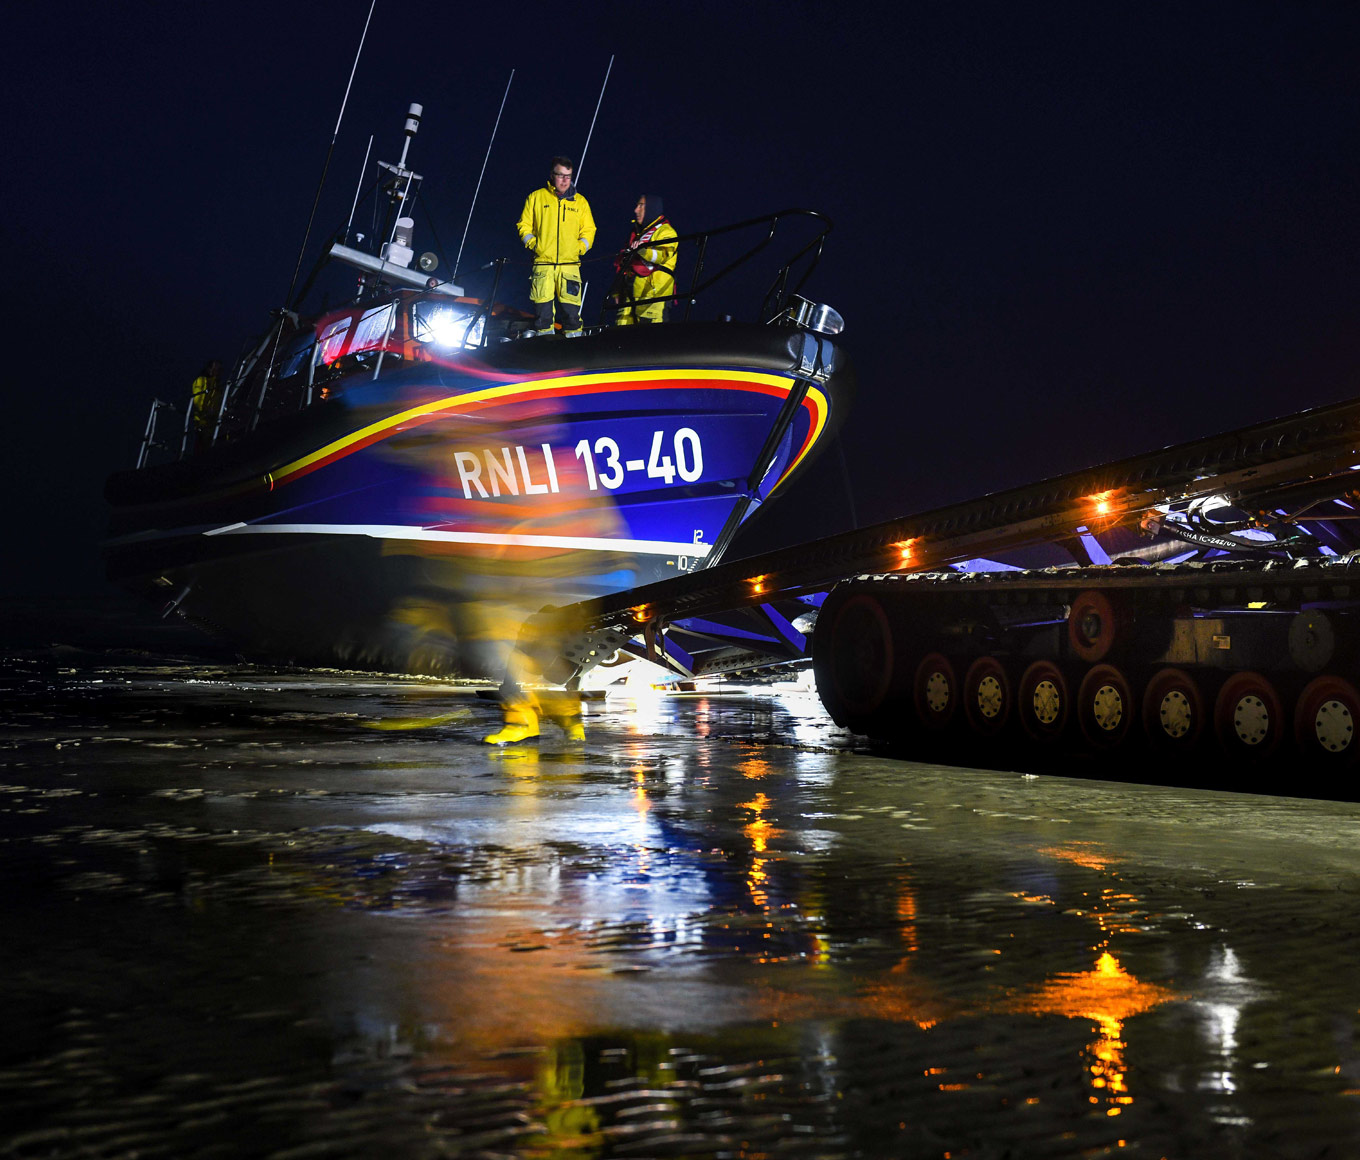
(306, 236)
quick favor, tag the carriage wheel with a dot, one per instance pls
(862, 655)
(987, 696)
(1094, 626)
(1325, 721)
(1042, 702)
(935, 691)
(1173, 712)
(1248, 716)
(1105, 707)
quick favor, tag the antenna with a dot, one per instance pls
(321, 184)
(581, 163)
(478, 190)
(362, 170)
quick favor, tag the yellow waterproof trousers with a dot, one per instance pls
(560, 284)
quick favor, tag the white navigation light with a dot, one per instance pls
(413, 118)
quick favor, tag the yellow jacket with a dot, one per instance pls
(205, 395)
(557, 229)
(657, 264)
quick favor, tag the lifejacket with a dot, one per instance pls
(644, 260)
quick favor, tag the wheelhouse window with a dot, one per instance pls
(331, 340)
(373, 327)
(298, 354)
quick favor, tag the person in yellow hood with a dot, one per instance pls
(205, 399)
(557, 227)
(647, 267)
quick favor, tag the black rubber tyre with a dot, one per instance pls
(861, 657)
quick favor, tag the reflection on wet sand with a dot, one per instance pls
(1106, 995)
(686, 937)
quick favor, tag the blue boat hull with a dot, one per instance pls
(411, 521)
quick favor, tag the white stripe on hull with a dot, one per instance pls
(498, 539)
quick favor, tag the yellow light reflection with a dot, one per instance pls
(758, 830)
(640, 800)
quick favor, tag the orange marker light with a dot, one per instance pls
(757, 584)
(904, 549)
(1101, 501)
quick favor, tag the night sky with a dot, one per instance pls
(1063, 233)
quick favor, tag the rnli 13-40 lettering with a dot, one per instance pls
(533, 471)
(611, 469)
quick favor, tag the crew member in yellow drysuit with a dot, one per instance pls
(205, 397)
(651, 265)
(523, 708)
(557, 226)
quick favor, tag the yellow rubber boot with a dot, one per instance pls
(519, 723)
(563, 709)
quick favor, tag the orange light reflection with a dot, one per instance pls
(759, 832)
(906, 913)
(755, 767)
(1108, 996)
(1091, 859)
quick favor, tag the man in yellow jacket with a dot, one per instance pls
(647, 266)
(558, 228)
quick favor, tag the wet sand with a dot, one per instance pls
(242, 918)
